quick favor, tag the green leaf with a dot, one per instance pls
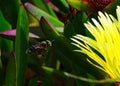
(41, 4)
(69, 30)
(10, 73)
(72, 27)
(33, 82)
(10, 10)
(21, 44)
(5, 45)
(4, 25)
(38, 13)
(79, 72)
(78, 4)
(62, 5)
(78, 26)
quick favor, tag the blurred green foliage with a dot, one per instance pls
(52, 20)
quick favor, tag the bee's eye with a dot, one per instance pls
(49, 43)
(44, 44)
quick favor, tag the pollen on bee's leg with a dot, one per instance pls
(39, 56)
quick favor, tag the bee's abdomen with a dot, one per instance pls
(40, 47)
(32, 49)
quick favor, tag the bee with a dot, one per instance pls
(39, 47)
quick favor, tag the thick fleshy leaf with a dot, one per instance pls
(10, 10)
(73, 27)
(61, 4)
(10, 73)
(11, 34)
(69, 30)
(78, 4)
(41, 4)
(21, 44)
(33, 22)
(38, 13)
(4, 25)
(5, 46)
(52, 6)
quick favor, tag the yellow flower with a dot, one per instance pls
(106, 42)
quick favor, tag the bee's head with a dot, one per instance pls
(46, 43)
